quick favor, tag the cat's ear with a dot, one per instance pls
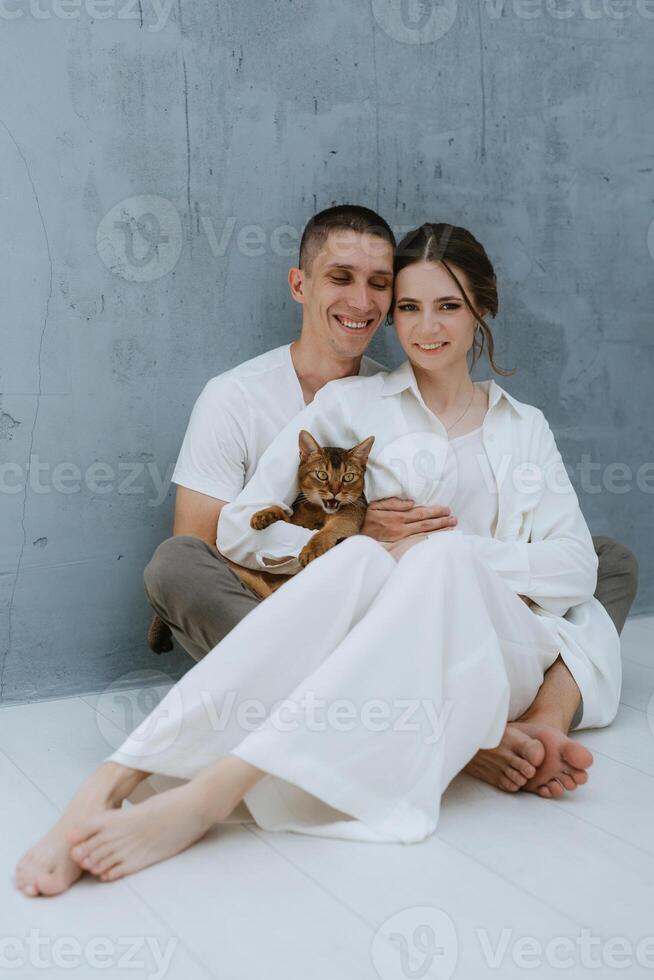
(362, 451)
(308, 445)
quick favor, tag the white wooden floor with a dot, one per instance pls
(510, 885)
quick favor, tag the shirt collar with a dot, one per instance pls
(403, 377)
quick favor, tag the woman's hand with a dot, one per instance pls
(393, 519)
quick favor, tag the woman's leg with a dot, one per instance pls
(445, 654)
(443, 647)
(260, 660)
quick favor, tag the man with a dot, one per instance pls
(344, 284)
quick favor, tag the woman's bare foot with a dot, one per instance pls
(115, 843)
(47, 868)
(534, 756)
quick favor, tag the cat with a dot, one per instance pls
(331, 500)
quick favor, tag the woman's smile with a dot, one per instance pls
(433, 348)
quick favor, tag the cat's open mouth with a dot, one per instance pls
(331, 506)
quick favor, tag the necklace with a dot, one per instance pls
(448, 427)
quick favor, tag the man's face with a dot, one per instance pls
(348, 292)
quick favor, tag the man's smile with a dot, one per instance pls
(353, 324)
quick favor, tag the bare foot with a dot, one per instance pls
(510, 764)
(115, 843)
(118, 842)
(533, 756)
(565, 764)
(47, 868)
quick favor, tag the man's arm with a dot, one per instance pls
(211, 465)
(196, 514)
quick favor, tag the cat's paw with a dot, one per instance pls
(316, 547)
(263, 518)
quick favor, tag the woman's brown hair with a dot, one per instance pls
(455, 246)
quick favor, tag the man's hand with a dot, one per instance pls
(392, 519)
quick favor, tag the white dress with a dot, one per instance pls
(364, 684)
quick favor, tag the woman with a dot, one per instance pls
(427, 646)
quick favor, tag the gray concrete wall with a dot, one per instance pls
(139, 140)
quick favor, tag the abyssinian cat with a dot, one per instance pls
(331, 500)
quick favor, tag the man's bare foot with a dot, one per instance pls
(511, 763)
(115, 843)
(533, 756)
(47, 868)
(565, 764)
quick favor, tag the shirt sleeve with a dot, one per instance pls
(557, 567)
(275, 481)
(213, 456)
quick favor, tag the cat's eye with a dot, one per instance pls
(321, 475)
(348, 478)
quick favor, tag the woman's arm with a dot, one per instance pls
(276, 548)
(557, 568)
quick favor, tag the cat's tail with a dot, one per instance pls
(160, 639)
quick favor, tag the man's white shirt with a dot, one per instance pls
(236, 417)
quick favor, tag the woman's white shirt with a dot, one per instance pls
(542, 546)
(468, 486)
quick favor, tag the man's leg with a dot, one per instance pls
(193, 590)
(617, 578)
(535, 753)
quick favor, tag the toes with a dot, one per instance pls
(515, 777)
(80, 852)
(527, 747)
(534, 752)
(508, 784)
(567, 781)
(51, 884)
(523, 766)
(97, 860)
(577, 755)
(545, 792)
(116, 872)
(105, 864)
(555, 788)
(580, 776)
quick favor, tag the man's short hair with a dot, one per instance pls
(340, 218)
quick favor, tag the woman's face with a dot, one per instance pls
(430, 310)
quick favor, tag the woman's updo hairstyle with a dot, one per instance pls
(455, 246)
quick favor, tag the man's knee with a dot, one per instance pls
(617, 560)
(169, 566)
